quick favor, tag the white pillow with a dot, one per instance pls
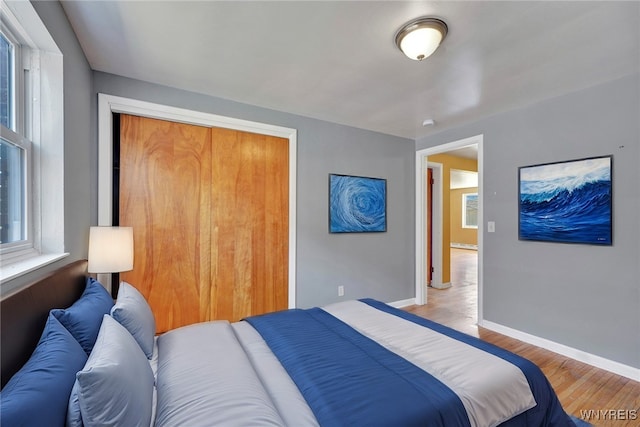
(74, 417)
(116, 385)
(133, 312)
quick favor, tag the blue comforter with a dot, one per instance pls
(349, 379)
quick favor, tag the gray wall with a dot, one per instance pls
(377, 265)
(79, 141)
(586, 297)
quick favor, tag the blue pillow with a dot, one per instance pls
(84, 317)
(133, 312)
(115, 387)
(38, 394)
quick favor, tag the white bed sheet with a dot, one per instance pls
(206, 379)
(154, 368)
(283, 391)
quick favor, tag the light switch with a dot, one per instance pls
(491, 227)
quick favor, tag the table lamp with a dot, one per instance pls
(110, 251)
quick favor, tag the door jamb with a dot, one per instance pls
(436, 237)
(109, 104)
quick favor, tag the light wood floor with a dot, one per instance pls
(580, 387)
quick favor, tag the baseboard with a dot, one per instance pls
(579, 355)
(440, 285)
(464, 246)
(402, 303)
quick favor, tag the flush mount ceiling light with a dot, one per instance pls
(419, 38)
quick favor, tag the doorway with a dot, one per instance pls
(435, 251)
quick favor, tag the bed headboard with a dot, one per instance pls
(22, 315)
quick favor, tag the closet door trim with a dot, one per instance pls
(109, 104)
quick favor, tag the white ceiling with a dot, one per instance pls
(468, 152)
(337, 61)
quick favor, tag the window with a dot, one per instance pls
(15, 151)
(7, 80)
(31, 124)
(13, 192)
(470, 210)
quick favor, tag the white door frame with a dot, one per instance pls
(422, 163)
(108, 104)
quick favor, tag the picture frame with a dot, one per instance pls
(357, 204)
(567, 202)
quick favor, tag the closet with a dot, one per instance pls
(209, 209)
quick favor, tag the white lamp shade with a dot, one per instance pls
(110, 249)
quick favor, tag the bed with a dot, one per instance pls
(71, 356)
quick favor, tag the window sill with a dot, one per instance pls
(20, 267)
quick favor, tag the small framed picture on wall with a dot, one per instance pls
(357, 204)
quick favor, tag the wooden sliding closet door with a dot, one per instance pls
(250, 217)
(165, 181)
(209, 210)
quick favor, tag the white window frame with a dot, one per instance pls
(39, 125)
(17, 122)
(18, 134)
(17, 249)
(464, 211)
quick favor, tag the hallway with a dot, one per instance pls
(457, 306)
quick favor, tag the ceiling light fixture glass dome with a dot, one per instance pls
(418, 39)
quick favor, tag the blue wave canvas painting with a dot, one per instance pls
(569, 202)
(357, 204)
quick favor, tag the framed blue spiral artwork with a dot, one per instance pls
(357, 204)
(568, 202)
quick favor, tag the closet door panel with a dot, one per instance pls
(165, 181)
(276, 290)
(250, 224)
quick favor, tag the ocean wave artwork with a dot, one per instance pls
(357, 204)
(569, 202)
